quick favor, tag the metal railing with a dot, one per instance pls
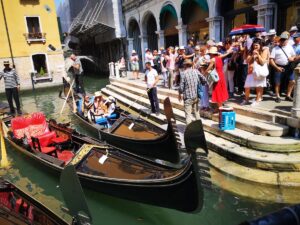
(35, 37)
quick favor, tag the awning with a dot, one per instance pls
(166, 9)
(185, 5)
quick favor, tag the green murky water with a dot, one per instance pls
(220, 207)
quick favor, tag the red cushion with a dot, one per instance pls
(48, 150)
(4, 199)
(59, 140)
(46, 139)
(66, 156)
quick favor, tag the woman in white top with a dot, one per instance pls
(261, 56)
(149, 57)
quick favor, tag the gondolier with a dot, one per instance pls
(12, 87)
(78, 74)
(152, 79)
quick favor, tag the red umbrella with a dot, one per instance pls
(247, 29)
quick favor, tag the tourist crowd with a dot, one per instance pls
(219, 71)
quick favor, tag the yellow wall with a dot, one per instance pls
(16, 11)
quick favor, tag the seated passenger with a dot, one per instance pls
(87, 104)
(111, 106)
(98, 109)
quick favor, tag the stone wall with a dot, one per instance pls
(24, 66)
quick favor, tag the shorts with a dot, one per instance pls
(286, 75)
(135, 67)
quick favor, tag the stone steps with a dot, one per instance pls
(276, 116)
(249, 124)
(235, 152)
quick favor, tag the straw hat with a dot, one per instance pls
(98, 94)
(272, 32)
(294, 28)
(213, 51)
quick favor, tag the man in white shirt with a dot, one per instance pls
(281, 57)
(293, 31)
(151, 80)
(149, 57)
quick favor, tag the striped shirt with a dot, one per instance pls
(189, 83)
(11, 78)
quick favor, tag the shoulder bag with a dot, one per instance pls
(213, 76)
(292, 65)
(260, 71)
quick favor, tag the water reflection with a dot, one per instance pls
(220, 206)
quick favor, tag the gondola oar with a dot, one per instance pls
(132, 124)
(69, 92)
(196, 146)
(4, 161)
(74, 197)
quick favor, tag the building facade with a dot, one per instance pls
(153, 24)
(30, 39)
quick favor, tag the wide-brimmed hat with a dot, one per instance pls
(6, 63)
(213, 51)
(272, 32)
(284, 36)
(294, 28)
(211, 43)
(187, 62)
(98, 94)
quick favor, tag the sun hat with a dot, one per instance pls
(182, 48)
(98, 94)
(133, 52)
(284, 36)
(213, 51)
(272, 32)
(294, 28)
(187, 62)
(211, 43)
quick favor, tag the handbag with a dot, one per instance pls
(213, 76)
(260, 71)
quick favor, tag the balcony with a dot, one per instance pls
(35, 37)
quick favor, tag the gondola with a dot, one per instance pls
(17, 207)
(109, 169)
(132, 133)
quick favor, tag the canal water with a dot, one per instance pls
(220, 207)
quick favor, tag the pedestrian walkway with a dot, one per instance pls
(261, 143)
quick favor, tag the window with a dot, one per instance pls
(33, 25)
(40, 64)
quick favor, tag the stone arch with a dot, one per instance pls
(168, 20)
(134, 34)
(194, 14)
(149, 28)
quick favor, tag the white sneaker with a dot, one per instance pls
(244, 102)
(255, 103)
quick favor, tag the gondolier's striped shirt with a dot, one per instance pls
(11, 78)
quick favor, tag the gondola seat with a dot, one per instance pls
(42, 144)
(59, 140)
(65, 156)
(20, 127)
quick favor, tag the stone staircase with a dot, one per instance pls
(260, 144)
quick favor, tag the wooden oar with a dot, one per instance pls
(69, 92)
(73, 100)
(74, 197)
(196, 147)
(4, 161)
